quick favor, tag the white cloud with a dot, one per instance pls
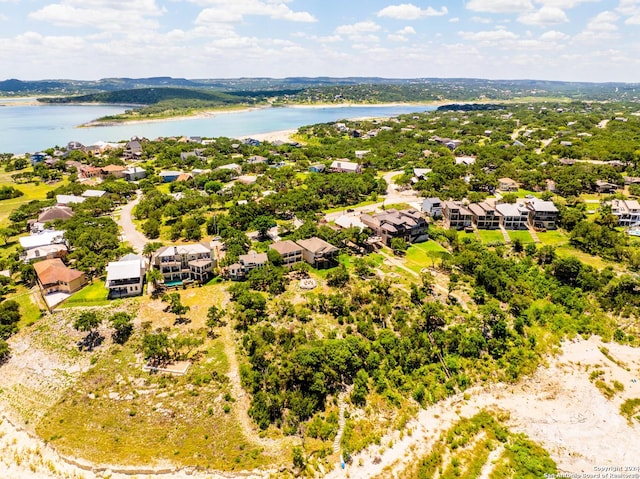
(544, 16)
(554, 36)
(454, 20)
(236, 10)
(407, 31)
(394, 37)
(630, 9)
(3, 18)
(600, 28)
(603, 22)
(500, 6)
(491, 36)
(564, 4)
(358, 28)
(483, 20)
(408, 11)
(101, 14)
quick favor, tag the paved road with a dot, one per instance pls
(129, 232)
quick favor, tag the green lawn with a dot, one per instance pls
(491, 236)
(32, 191)
(424, 255)
(94, 294)
(345, 208)
(523, 235)
(553, 238)
(595, 261)
(29, 311)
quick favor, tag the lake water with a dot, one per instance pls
(30, 128)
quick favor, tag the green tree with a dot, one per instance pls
(156, 348)
(338, 277)
(398, 245)
(5, 351)
(9, 318)
(123, 326)
(214, 318)
(87, 322)
(151, 228)
(510, 198)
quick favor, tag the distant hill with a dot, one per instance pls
(149, 96)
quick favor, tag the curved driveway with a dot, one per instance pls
(129, 231)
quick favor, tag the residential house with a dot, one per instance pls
(485, 216)
(93, 193)
(542, 214)
(169, 176)
(319, 168)
(65, 200)
(465, 160)
(87, 171)
(54, 213)
(54, 276)
(432, 207)
(318, 253)
(116, 171)
(44, 252)
(605, 187)
(132, 150)
(246, 263)
(76, 145)
(187, 262)
(349, 221)
(125, 277)
(456, 216)
(134, 173)
(257, 159)
(420, 174)
(234, 167)
(360, 154)
(627, 212)
(448, 142)
(197, 154)
(550, 185)
(43, 238)
(290, 251)
(49, 215)
(37, 158)
(513, 216)
(345, 166)
(184, 177)
(507, 184)
(408, 225)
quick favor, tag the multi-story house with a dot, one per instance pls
(456, 216)
(513, 216)
(318, 253)
(432, 207)
(193, 262)
(246, 263)
(290, 251)
(408, 225)
(542, 214)
(627, 212)
(485, 216)
(125, 277)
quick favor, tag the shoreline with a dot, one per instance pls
(195, 116)
(215, 112)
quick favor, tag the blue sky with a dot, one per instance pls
(580, 40)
